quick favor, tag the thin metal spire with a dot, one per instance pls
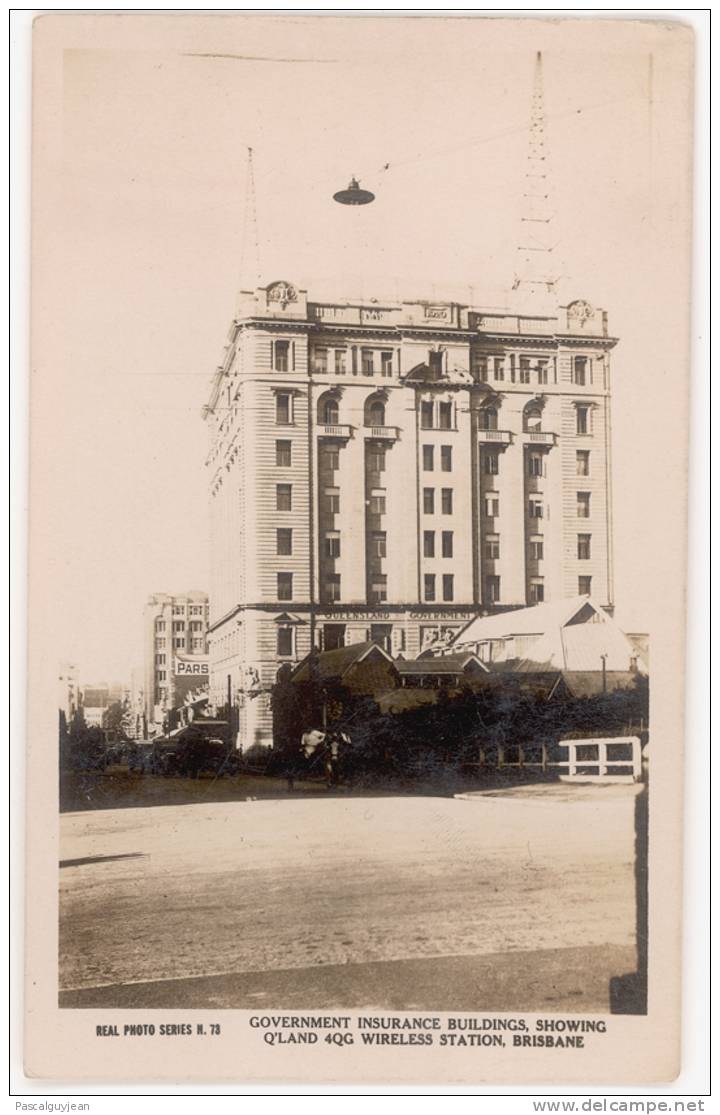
(250, 242)
(535, 277)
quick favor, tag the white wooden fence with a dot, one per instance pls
(601, 760)
(616, 759)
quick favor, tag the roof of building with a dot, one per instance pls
(526, 621)
(448, 664)
(336, 663)
(574, 634)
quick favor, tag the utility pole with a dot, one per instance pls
(230, 711)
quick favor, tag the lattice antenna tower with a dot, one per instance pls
(535, 277)
(250, 240)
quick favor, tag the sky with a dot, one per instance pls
(141, 249)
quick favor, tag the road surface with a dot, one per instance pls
(515, 902)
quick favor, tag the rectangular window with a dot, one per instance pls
(283, 412)
(320, 360)
(580, 370)
(492, 589)
(536, 463)
(160, 643)
(524, 376)
(537, 591)
(283, 454)
(426, 416)
(179, 625)
(498, 368)
(430, 586)
(583, 547)
(178, 610)
(282, 351)
(331, 501)
(582, 462)
(378, 588)
(159, 624)
(446, 458)
(180, 643)
(584, 586)
(386, 360)
(283, 541)
(195, 625)
(583, 505)
(160, 659)
(492, 547)
(429, 501)
(481, 368)
(378, 544)
(340, 361)
(435, 360)
(377, 501)
(198, 645)
(447, 501)
(284, 586)
(447, 586)
(283, 497)
(492, 504)
(429, 543)
(330, 458)
(333, 636)
(162, 675)
(582, 423)
(332, 544)
(331, 588)
(447, 543)
(284, 642)
(535, 509)
(491, 464)
(445, 416)
(381, 633)
(536, 547)
(368, 362)
(428, 454)
(376, 460)
(542, 371)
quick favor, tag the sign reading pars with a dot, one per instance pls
(198, 667)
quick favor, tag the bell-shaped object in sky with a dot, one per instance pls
(353, 195)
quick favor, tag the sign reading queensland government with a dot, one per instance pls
(193, 667)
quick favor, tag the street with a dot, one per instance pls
(513, 901)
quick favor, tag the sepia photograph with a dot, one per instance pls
(358, 437)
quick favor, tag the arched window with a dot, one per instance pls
(533, 418)
(328, 411)
(489, 418)
(375, 412)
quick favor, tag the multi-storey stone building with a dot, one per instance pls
(176, 650)
(385, 471)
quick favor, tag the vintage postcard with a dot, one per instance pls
(359, 399)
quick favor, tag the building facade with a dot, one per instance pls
(176, 651)
(386, 471)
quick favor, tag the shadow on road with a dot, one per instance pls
(548, 980)
(118, 788)
(628, 993)
(100, 859)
